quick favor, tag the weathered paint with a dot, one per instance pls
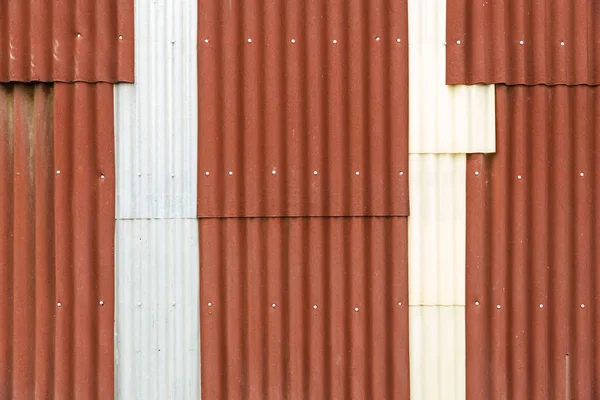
(303, 108)
(56, 248)
(304, 308)
(66, 41)
(533, 241)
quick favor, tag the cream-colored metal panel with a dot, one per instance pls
(437, 353)
(443, 119)
(437, 229)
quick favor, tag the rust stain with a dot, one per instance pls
(56, 252)
(96, 35)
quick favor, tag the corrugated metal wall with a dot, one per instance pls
(66, 41)
(304, 308)
(303, 108)
(446, 122)
(56, 251)
(532, 248)
(443, 119)
(157, 328)
(523, 42)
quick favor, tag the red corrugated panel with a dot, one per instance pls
(303, 108)
(533, 249)
(310, 308)
(66, 41)
(56, 241)
(523, 42)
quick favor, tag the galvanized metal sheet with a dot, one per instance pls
(443, 119)
(533, 234)
(66, 41)
(56, 241)
(303, 108)
(437, 352)
(312, 307)
(157, 325)
(157, 118)
(436, 226)
(523, 42)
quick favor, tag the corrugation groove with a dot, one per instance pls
(532, 248)
(523, 42)
(443, 119)
(56, 252)
(304, 308)
(291, 124)
(66, 41)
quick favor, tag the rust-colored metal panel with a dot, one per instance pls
(57, 213)
(310, 308)
(66, 41)
(523, 42)
(533, 248)
(303, 108)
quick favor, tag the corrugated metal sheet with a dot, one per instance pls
(56, 246)
(436, 227)
(437, 352)
(304, 307)
(523, 42)
(303, 108)
(157, 354)
(436, 270)
(443, 119)
(157, 118)
(73, 40)
(533, 232)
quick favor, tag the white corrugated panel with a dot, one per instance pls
(157, 296)
(156, 118)
(437, 353)
(157, 330)
(437, 229)
(443, 119)
(436, 270)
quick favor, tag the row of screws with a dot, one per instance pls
(521, 42)
(274, 172)
(498, 306)
(521, 177)
(293, 41)
(274, 305)
(59, 304)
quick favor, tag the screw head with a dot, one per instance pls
(458, 42)
(230, 173)
(293, 40)
(357, 173)
(498, 306)
(249, 40)
(207, 173)
(205, 40)
(355, 309)
(58, 172)
(273, 305)
(581, 174)
(521, 42)
(315, 307)
(273, 172)
(334, 41)
(315, 172)
(476, 173)
(477, 303)
(139, 303)
(102, 176)
(401, 173)
(59, 304)
(582, 305)
(398, 40)
(541, 305)
(562, 43)
(377, 38)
